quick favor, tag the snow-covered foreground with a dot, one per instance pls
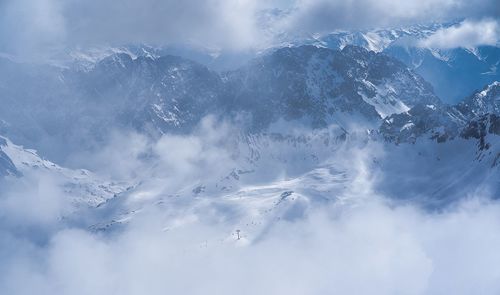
(218, 213)
(368, 248)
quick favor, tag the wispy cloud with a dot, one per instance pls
(399, 250)
(36, 25)
(325, 15)
(467, 34)
(333, 246)
(29, 27)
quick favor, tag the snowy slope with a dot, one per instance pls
(7, 167)
(442, 122)
(289, 178)
(486, 101)
(452, 72)
(82, 188)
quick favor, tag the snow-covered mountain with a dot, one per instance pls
(439, 169)
(486, 101)
(6, 166)
(156, 95)
(309, 125)
(377, 40)
(443, 122)
(451, 72)
(81, 188)
(325, 86)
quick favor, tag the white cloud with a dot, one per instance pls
(366, 249)
(371, 247)
(37, 199)
(467, 34)
(327, 15)
(211, 22)
(27, 26)
(32, 26)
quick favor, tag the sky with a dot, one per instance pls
(28, 26)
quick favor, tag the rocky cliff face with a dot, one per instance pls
(320, 85)
(452, 72)
(6, 166)
(314, 87)
(475, 115)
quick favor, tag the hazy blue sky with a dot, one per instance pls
(27, 25)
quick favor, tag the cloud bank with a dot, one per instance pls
(325, 15)
(467, 34)
(368, 247)
(30, 26)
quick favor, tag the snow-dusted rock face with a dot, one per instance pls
(6, 166)
(431, 121)
(480, 127)
(154, 95)
(376, 40)
(476, 116)
(150, 95)
(452, 72)
(320, 84)
(162, 94)
(486, 101)
(172, 94)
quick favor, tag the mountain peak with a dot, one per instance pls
(355, 50)
(486, 101)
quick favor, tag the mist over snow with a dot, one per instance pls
(249, 147)
(365, 242)
(366, 249)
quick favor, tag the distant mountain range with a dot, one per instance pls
(299, 109)
(172, 94)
